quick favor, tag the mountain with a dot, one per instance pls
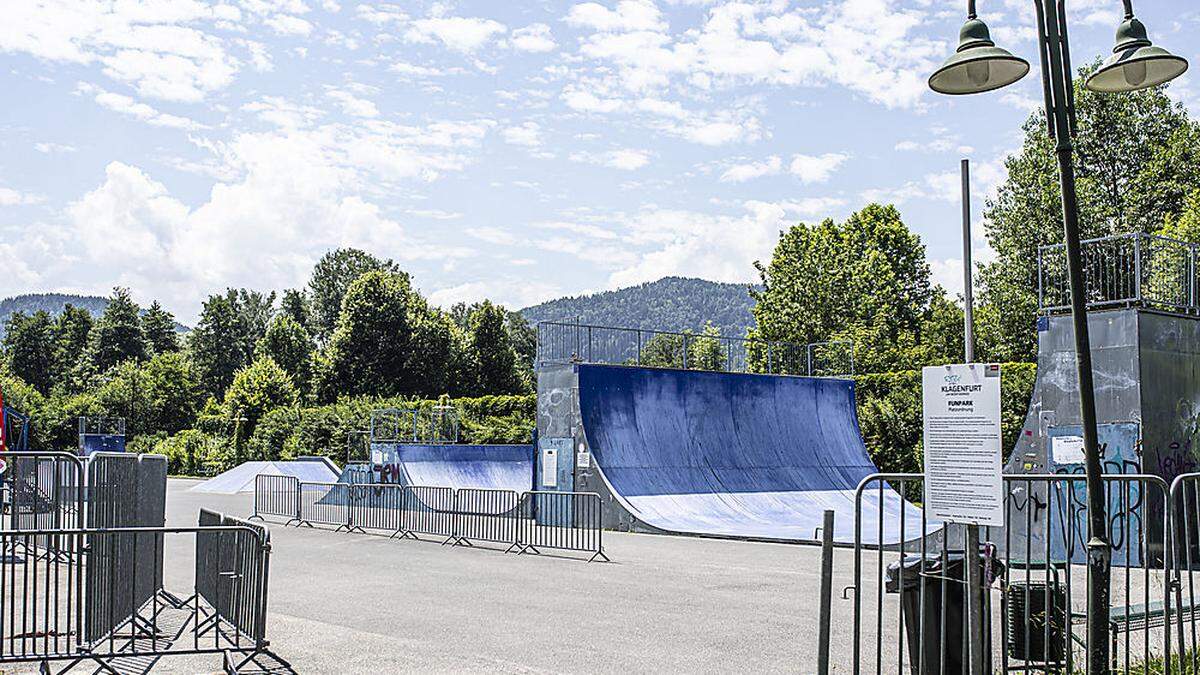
(54, 303)
(671, 304)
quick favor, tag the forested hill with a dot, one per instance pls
(53, 303)
(671, 303)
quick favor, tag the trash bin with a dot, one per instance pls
(939, 649)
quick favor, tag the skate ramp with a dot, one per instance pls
(498, 467)
(735, 455)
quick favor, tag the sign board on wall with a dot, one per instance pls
(549, 467)
(963, 481)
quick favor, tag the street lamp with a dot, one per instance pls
(979, 66)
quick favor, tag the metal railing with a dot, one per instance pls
(48, 613)
(526, 521)
(564, 343)
(277, 496)
(910, 599)
(1128, 270)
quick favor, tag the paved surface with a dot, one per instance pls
(343, 603)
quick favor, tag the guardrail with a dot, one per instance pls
(564, 343)
(277, 496)
(1126, 270)
(84, 606)
(528, 521)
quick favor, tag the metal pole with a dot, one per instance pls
(1053, 44)
(974, 581)
(826, 594)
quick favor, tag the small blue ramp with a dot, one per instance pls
(735, 455)
(498, 467)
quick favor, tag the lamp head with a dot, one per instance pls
(1135, 62)
(978, 65)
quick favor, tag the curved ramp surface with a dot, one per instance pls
(753, 456)
(499, 467)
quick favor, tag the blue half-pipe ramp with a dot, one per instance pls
(735, 455)
(499, 467)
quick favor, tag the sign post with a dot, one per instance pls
(963, 464)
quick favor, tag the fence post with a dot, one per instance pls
(826, 617)
(685, 350)
(1137, 268)
(1192, 277)
(770, 368)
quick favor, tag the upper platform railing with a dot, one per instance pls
(1127, 270)
(563, 343)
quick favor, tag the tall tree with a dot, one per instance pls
(368, 353)
(29, 346)
(117, 335)
(216, 345)
(257, 389)
(331, 279)
(1137, 160)
(294, 304)
(158, 325)
(492, 354)
(72, 332)
(867, 274)
(289, 346)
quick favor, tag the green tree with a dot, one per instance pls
(117, 335)
(158, 325)
(368, 352)
(216, 345)
(865, 277)
(294, 304)
(663, 350)
(331, 279)
(706, 351)
(29, 346)
(288, 344)
(161, 394)
(72, 333)
(492, 355)
(257, 389)
(1136, 163)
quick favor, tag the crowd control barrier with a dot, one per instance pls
(87, 606)
(527, 522)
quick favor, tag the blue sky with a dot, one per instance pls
(518, 150)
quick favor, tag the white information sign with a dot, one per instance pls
(1067, 450)
(583, 459)
(550, 467)
(962, 443)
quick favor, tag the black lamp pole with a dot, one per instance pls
(978, 65)
(1060, 113)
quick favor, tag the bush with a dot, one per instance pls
(194, 453)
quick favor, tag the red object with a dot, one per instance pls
(3, 424)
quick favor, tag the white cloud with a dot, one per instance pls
(514, 292)
(493, 235)
(945, 187)
(535, 37)
(626, 159)
(11, 197)
(740, 173)
(353, 105)
(462, 34)
(162, 49)
(52, 148)
(816, 168)
(285, 24)
(527, 134)
(629, 15)
(128, 106)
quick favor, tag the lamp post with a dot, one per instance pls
(979, 65)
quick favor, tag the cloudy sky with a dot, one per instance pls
(513, 150)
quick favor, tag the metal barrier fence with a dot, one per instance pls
(910, 599)
(277, 496)
(562, 343)
(48, 613)
(325, 504)
(565, 520)
(527, 522)
(1123, 270)
(232, 568)
(42, 490)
